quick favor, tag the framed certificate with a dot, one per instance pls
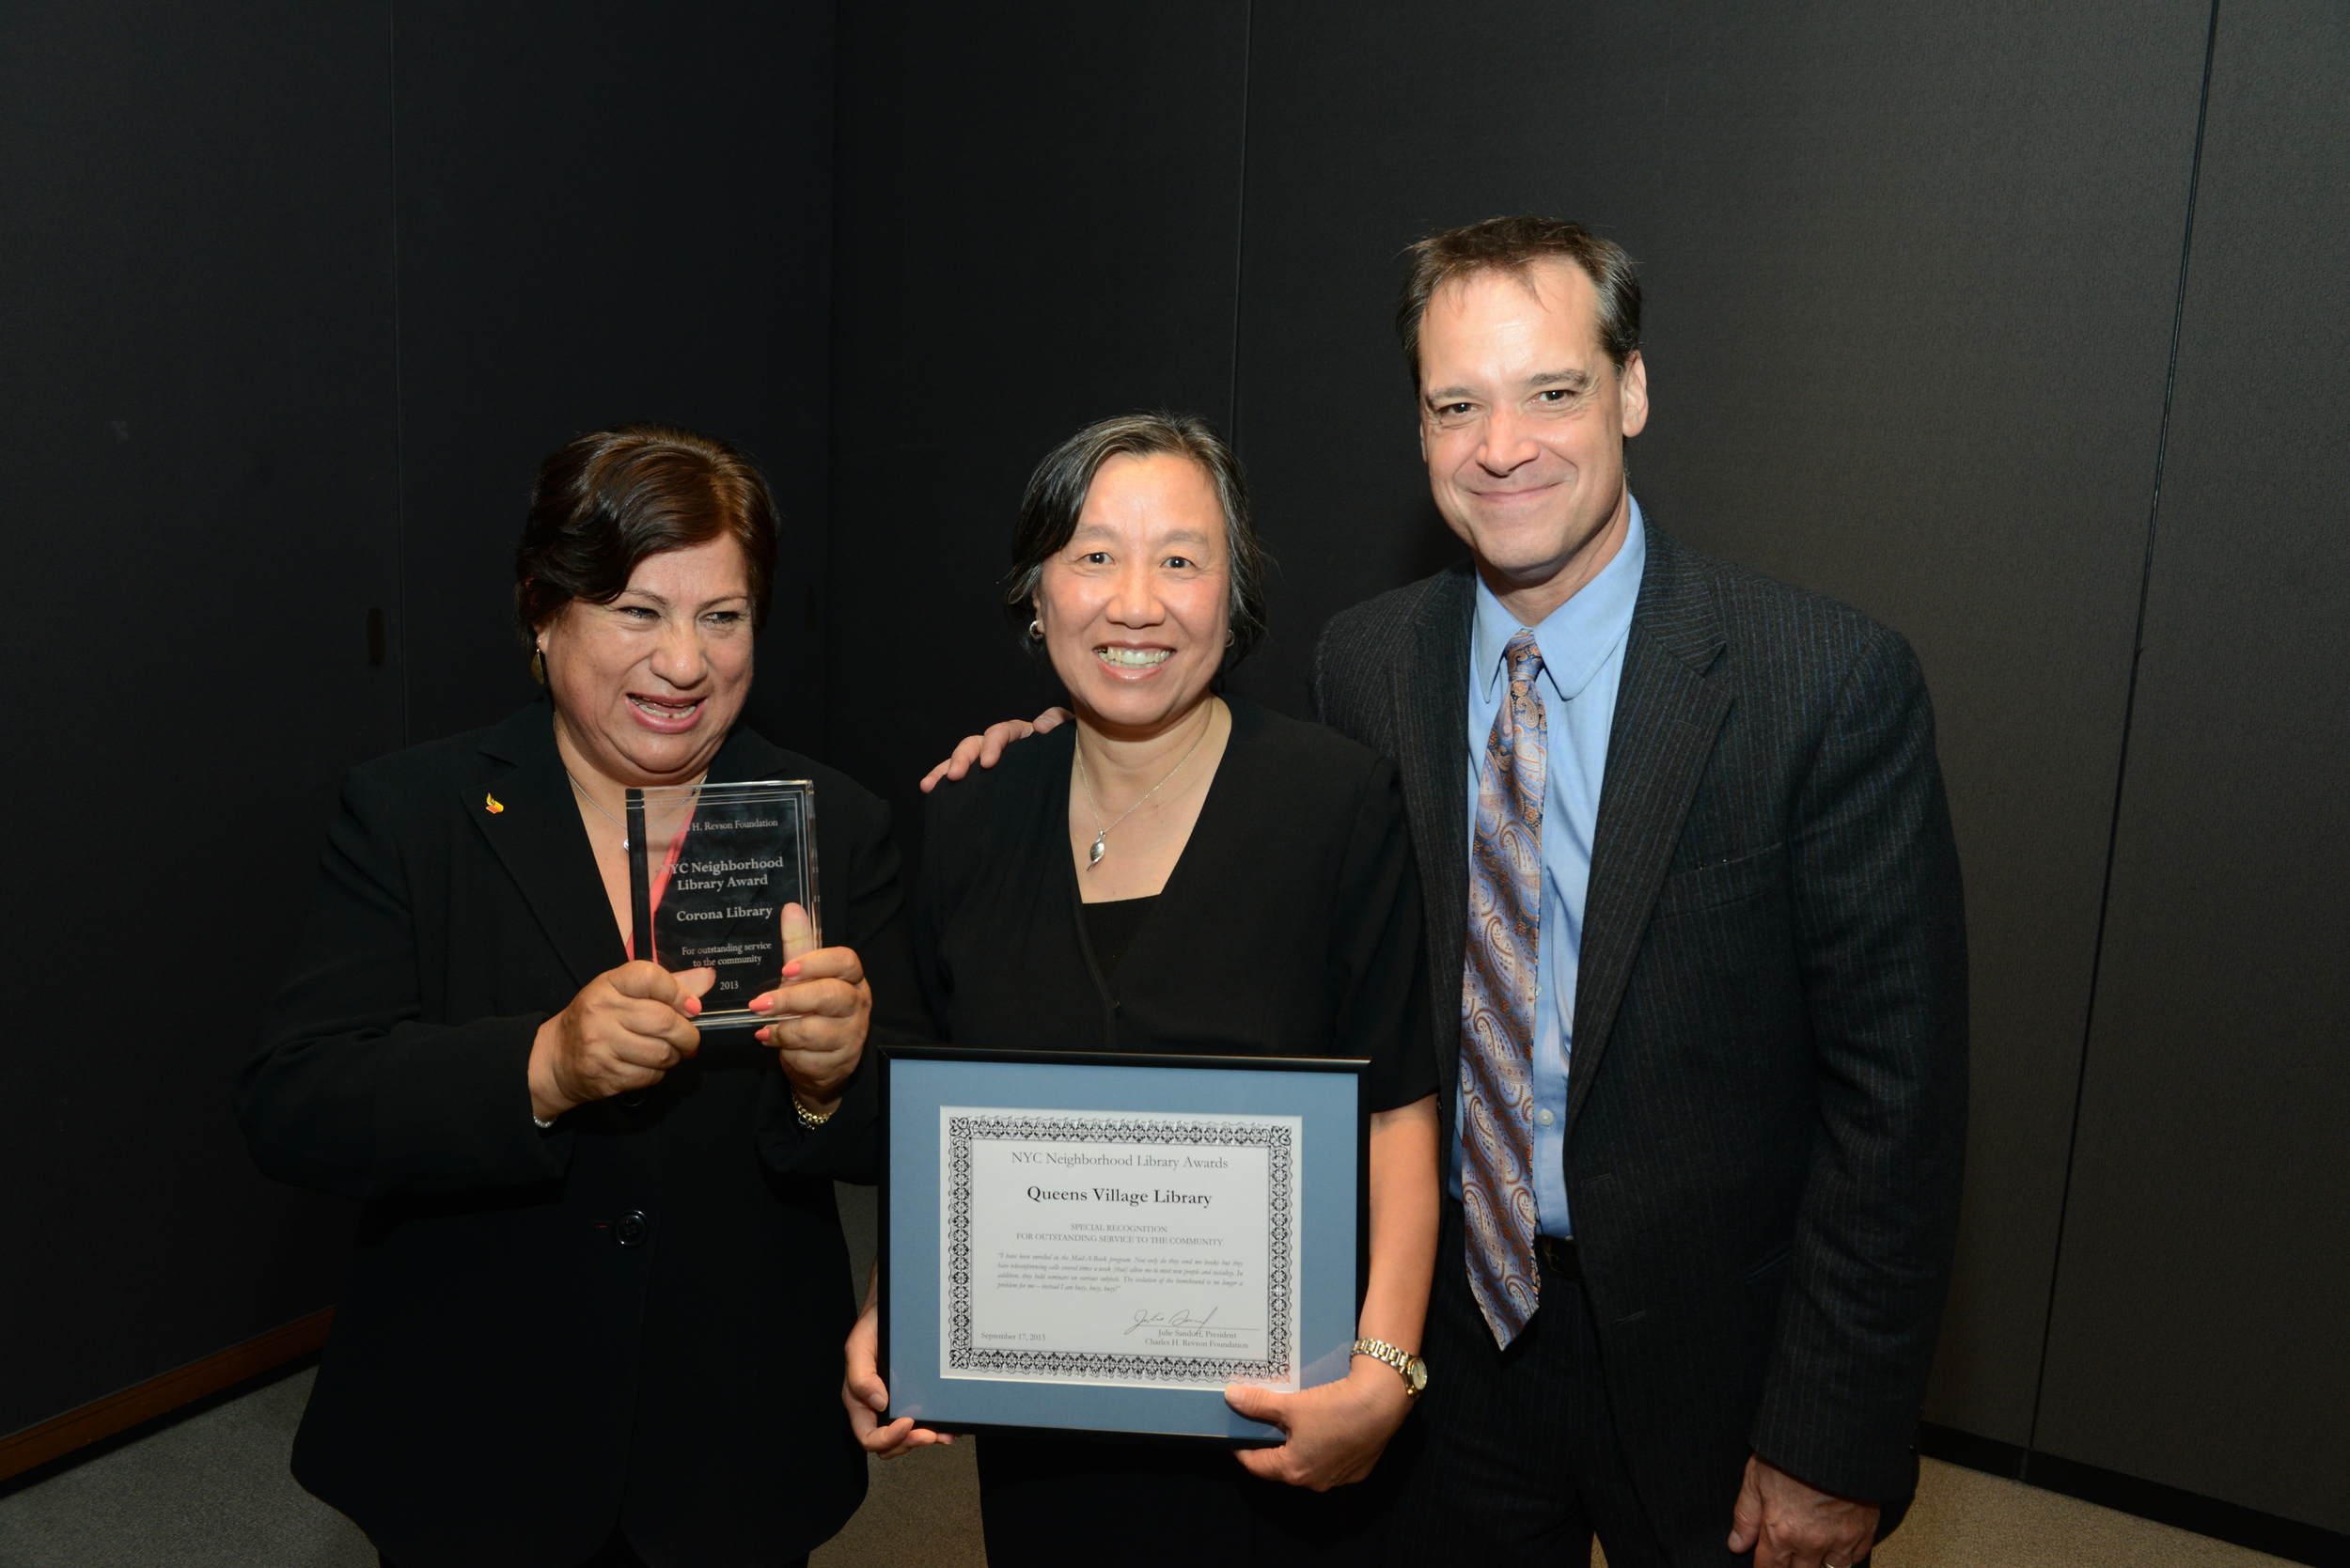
(1089, 1243)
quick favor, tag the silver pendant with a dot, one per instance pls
(1094, 855)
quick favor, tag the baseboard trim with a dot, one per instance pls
(158, 1396)
(2272, 1533)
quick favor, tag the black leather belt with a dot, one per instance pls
(1559, 1257)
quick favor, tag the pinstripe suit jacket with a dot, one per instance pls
(1766, 1098)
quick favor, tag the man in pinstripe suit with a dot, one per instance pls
(1725, 1117)
(1704, 1062)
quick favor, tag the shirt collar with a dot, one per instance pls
(1578, 637)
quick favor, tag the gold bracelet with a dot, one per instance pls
(809, 1119)
(1410, 1368)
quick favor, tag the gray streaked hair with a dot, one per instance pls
(1056, 496)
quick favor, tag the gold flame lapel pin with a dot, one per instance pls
(496, 805)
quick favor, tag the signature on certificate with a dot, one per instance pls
(1179, 1318)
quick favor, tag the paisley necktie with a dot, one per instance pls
(1499, 994)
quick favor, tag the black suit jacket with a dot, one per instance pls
(506, 1381)
(1766, 1095)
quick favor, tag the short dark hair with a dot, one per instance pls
(606, 500)
(1057, 494)
(1511, 246)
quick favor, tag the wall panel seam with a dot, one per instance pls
(2129, 709)
(1240, 219)
(399, 394)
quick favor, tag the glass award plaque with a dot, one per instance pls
(723, 876)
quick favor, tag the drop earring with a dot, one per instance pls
(539, 665)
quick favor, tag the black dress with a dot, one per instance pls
(1291, 927)
(632, 1321)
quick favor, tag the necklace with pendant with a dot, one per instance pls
(1094, 855)
(599, 806)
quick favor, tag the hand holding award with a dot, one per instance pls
(724, 878)
(625, 1030)
(820, 1013)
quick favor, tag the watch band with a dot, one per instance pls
(1411, 1369)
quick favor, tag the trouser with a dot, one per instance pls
(1064, 1503)
(1512, 1457)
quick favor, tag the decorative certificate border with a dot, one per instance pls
(1273, 1135)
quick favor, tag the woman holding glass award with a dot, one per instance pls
(1183, 873)
(599, 1277)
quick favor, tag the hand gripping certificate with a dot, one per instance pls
(1117, 1248)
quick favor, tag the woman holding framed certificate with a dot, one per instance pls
(592, 1307)
(1180, 873)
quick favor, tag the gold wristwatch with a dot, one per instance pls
(1411, 1369)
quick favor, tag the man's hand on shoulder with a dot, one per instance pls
(988, 749)
(1790, 1525)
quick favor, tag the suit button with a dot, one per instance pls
(634, 1100)
(631, 1228)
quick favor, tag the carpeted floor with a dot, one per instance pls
(211, 1491)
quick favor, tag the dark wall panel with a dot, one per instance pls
(1910, 278)
(197, 500)
(267, 266)
(608, 212)
(1037, 216)
(2198, 1333)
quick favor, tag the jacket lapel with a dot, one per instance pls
(539, 838)
(1431, 751)
(1670, 705)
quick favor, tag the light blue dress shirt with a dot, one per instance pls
(1582, 643)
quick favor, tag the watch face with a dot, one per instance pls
(1418, 1378)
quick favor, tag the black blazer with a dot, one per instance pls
(1291, 927)
(505, 1379)
(1766, 1097)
